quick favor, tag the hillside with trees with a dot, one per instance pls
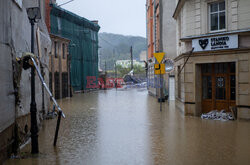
(115, 47)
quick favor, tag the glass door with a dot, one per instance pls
(221, 89)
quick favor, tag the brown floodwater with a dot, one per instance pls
(126, 127)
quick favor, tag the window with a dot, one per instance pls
(63, 49)
(59, 24)
(206, 81)
(232, 81)
(179, 82)
(217, 16)
(55, 49)
(220, 88)
(207, 87)
(206, 68)
(221, 68)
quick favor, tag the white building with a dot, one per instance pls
(127, 63)
(216, 75)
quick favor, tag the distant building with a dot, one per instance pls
(161, 37)
(152, 9)
(127, 63)
(83, 46)
(59, 67)
(143, 56)
(216, 76)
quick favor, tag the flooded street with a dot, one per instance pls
(126, 127)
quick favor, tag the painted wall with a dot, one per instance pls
(237, 18)
(193, 19)
(15, 39)
(168, 28)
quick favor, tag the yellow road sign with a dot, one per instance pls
(159, 56)
(160, 69)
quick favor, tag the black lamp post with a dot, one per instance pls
(33, 14)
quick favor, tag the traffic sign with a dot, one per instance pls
(159, 56)
(160, 69)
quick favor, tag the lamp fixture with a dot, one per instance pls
(34, 13)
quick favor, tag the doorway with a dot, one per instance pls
(218, 86)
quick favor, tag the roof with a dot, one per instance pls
(59, 37)
(60, 12)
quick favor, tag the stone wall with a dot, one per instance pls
(15, 39)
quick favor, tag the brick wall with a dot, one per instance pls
(47, 15)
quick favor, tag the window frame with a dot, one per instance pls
(63, 51)
(218, 12)
(55, 49)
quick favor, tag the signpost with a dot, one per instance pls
(159, 57)
(164, 65)
(160, 70)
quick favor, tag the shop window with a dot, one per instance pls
(232, 67)
(221, 68)
(207, 87)
(217, 14)
(207, 68)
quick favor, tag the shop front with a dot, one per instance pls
(215, 76)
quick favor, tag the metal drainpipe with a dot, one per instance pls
(154, 27)
(146, 6)
(156, 90)
(161, 25)
(147, 28)
(161, 49)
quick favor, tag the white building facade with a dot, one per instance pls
(212, 69)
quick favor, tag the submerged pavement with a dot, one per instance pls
(126, 127)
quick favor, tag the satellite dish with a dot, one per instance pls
(169, 64)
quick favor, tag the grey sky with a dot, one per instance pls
(125, 17)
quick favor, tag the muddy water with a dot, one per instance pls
(126, 127)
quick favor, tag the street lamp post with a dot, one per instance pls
(33, 14)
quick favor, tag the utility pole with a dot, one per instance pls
(105, 67)
(115, 76)
(105, 76)
(115, 71)
(161, 91)
(131, 52)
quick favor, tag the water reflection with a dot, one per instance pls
(127, 127)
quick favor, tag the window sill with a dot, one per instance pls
(217, 31)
